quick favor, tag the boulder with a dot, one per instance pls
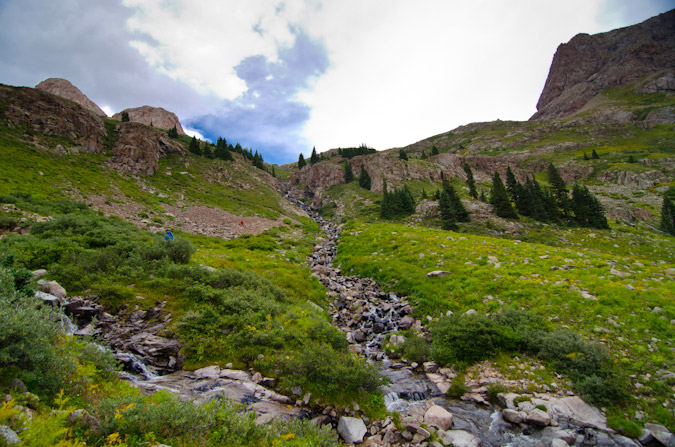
(459, 438)
(48, 298)
(512, 416)
(351, 429)
(661, 434)
(558, 443)
(54, 288)
(437, 274)
(439, 417)
(538, 417)
(82, 417)
(155, 116)
(406, 322)
(39, 273)
(64, 89)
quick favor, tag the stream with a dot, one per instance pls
(379, 314)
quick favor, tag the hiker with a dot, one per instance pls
(168, 236)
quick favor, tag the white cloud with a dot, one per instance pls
(199, 42)
(410, 70)
(195, 133)
(108, 110)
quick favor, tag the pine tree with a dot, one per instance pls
(586, 156)
(434, 150)
(559, 189)
(364, 179)
(482, 197)
(448, 220)
(207, 152)
(424, 194)
(194, 146)
(221, 152)
(314, 158)
(470, 182)
(125, 117)
(349, 175)
(458, 210)
(385, 206)
(274, 173)
(512, 185)
(594, 155)
(402, 155)
(499, 198)
(173, 132)
(668, 211)
(588, 210)
(301, 161)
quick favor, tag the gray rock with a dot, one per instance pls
(55, 289)
(512, 416)
(19, 386)
(351, 429)
(406, 322)
(8, 435)
(439, 417)
(558, 443)
(459, 438)
(39, 273)
(538, 417)
(48, 298)
(437, 274)
(82, 417)
(661, 434)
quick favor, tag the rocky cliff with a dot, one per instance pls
(64, 89)
(587, 64)
(155, 116)
(44, 113)
(139, 148)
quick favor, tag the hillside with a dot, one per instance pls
(286, 307)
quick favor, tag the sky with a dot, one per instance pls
(284, 76)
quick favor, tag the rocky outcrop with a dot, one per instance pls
(43, 113)
(139, 148)
(152, 116)
(64, 89)
(587, 64)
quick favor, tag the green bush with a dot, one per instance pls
(30, 346)
(458, 388)
(416, 349)
(470, 338)
(494, 389)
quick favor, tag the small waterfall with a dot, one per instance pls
(67, 325)
(134, 367)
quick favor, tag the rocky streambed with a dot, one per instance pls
(371, 317)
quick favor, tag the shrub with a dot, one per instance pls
(470, 338)
(458, 387)
(416, 349)
(29, 341)
(495, 389)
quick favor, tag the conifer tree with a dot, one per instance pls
(173, 132)
(586, 156)
(364, 179)
(512, 185)
(194, 146)
(274, 173)
(588, 211)
(482, 197)
(207, 152)
(499, 198)
(458, 210)
(424, 194)
(402, 155)
(314, 158)
(349, 175)
(470, 182)
(434, 150)
(125, 117)
(301, 161)
(668, 211)
(221, 151)
(385, 206)
(559, 189)
(594, 155)
(448, 220)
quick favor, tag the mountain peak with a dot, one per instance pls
(587, 64)
(65, 89)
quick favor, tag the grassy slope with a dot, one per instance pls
(544, 279)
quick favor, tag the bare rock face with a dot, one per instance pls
(587, 64)
(64, 89)
(48, 114)
(155, 116)
(139, 148)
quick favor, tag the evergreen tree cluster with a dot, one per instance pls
(223, 151)
(546, 204)
(403, 155)
(350, 152)
(397, 203)
(668, 211)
